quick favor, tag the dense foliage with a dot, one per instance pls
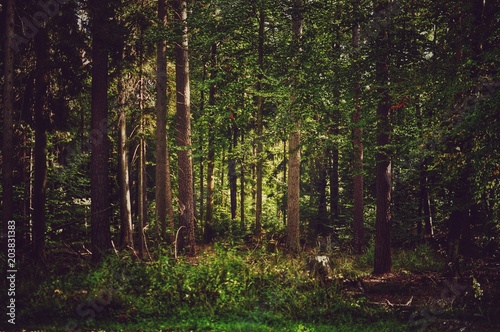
(382, 118)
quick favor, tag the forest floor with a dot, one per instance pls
(429, 301)
(410, 299)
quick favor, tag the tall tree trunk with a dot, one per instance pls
(242, 188)
(260, 129)
(99, 180)
(357, 143)
(164, 206)
(322, 216)
(233, 176)
(183, 96)
(7, 130)
(383, 259)
(141, 193)
(334, 181)
(126, 233)
(41, 109)
(208, 231)
(293, 209)
(425, 203)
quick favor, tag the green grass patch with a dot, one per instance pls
(223, 289)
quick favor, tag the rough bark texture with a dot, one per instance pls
(357, 143)
(383, 260)
(126, 239)
(164, 207)
(208, 231)
(41, 109)
(259, 131)
(293, 209)
(99, 181)
(183, 117)
(232, 174)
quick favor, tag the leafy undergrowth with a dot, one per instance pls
(242, 289)
(222, 289)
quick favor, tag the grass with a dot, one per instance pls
(222, 290)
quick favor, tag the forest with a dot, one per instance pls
(260, 165)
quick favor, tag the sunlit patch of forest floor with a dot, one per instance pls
(429, 301)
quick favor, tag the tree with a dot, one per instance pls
(183, 126)
(41, 109)
(357, 143)
(99, 181)
(293, 208)
(259, 127)
(383, 260)
(126, 232)
(164, 208)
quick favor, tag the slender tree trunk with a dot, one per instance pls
(183, 95)
(383, 260)
(321, 183)
(7, 129)
(164, 206)
(126, 233)
(334, 181)
(99, 181)
(233, 176)
(208, 231)
(357, 142)
(41, 109)
(242, 189)
(425, 203)
(293, 209)
(260, 129)
(141, 193)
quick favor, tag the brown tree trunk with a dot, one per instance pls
(164, 206)
(242, 189)
(383, 260)
(322, 216)
(99, 181)
(233, 176)
(41, 109)
(357, 143)
(334, 181)
(126, 233)
(259, 129)
(208, 230)
(185, 170)
(293, 208)
(141, 193)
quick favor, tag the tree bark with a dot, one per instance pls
(164, 206)
(41, 109)
(259, 129)
(232, 175)
(383, 259)
(208, 230)
(357, 143)
(99, 181)
(183, 116)
(293, 208)
(126, 233)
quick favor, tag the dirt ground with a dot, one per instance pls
(432, 302)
